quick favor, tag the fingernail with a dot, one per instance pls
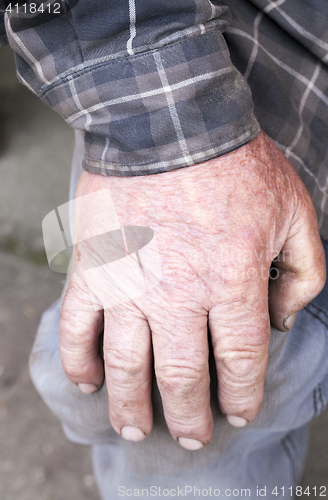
(88, 388)
(236, 421)
(190, 444)
(132, 433)
(289, 321)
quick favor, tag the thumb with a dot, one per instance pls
(299, 272)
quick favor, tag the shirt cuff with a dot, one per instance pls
(171, 100)
(161, 110)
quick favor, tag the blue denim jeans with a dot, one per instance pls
(262, 459)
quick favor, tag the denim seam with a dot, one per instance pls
(288, 448)
(315, 406)
(316, 316)
(319, 400)
(319, 309)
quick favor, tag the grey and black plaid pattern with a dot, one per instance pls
(281, 48)
(152, 84)
(158, 95)
(165, 115)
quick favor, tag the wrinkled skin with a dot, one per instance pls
(218, 225)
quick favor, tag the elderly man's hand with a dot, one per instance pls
(218, 227)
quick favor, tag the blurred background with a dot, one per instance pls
(37, 462)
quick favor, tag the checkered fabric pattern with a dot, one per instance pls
(281, 48)
(157, 85)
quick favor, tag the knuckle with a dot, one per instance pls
(319, 280)
(74, 329)
(187, 424)
(123, 366)
(313, 282)
(73, 371)
(248, 407)
(241, 398)
(78, 364)
(90, 371)
(183, 380)
(243, 370)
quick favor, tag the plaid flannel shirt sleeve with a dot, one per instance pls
(151, 83)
